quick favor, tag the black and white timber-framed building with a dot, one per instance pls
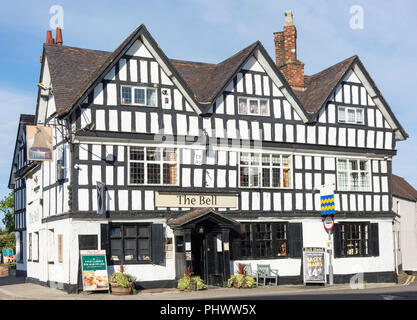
(207, 165)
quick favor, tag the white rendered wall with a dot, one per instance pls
(408, 232)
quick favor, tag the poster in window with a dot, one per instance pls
(94, 270)
(39, 146)
(313, 265)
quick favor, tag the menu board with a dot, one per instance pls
(94, 270)
(314, 266)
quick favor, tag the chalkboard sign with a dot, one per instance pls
(314, 267)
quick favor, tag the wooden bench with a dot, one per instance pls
(264, 271)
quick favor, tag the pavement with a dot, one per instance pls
(15, 288)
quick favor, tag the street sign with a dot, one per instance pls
(328, 222)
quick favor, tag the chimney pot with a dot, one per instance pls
(59, 36)
(49, 38)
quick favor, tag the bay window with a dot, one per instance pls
(353, 175)
(153, 165)
(265, 170)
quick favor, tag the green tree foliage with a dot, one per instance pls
(8, 240)
(7, 207)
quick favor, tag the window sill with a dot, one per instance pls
(137, 105)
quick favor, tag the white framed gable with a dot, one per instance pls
(46, 100)
(262, 85)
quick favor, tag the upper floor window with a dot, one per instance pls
(153, 165)
(353, 175)
(252, 106)
(139, 96)
(265, 170)
(350, 115)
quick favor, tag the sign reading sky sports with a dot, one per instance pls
(327, 200)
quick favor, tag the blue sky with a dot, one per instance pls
(210, 31)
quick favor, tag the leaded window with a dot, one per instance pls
(153, 165)
(354, 239)
(263, 240)
(130, 242)
(353, 175)
(265, 170)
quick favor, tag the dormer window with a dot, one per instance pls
(139, 96)
(350, 115)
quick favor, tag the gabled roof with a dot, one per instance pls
(320, 86)
(24, 119)
(402, 189)
(75, 72)
(70, 68)
(201, 83)
(197, 215)
(207, 80)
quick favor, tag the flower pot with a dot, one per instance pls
(119, 290)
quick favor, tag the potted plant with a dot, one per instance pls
(241, 280)
(190, 283)
(122, 283)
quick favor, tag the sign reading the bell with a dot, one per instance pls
(39, 143)
(201, 200)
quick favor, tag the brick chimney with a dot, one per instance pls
(286, 54)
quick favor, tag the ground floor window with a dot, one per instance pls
(263, 240)
(356, 239)
(130, 243)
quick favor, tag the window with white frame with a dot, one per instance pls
(350, 115)
(153, 165)
(353, 175)
(139, 96)
(252, 106)
(265, 170)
